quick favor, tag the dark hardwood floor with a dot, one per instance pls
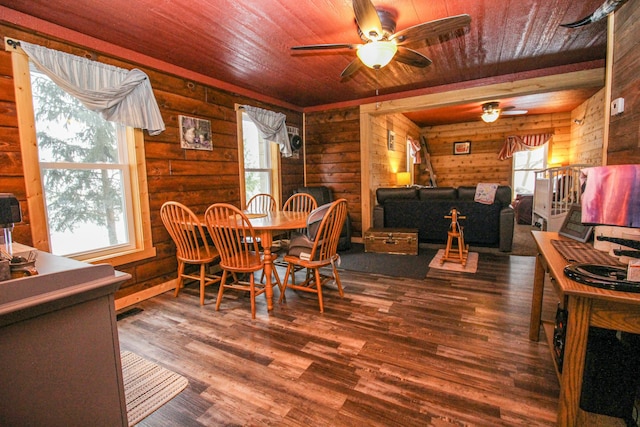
(449, 350)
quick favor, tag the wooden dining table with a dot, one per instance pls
(267, 225)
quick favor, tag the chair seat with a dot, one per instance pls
(243, 264)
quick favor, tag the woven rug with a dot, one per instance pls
(147, 386)
(470, 267)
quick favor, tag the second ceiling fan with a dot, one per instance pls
(491, 111)
(376, 28)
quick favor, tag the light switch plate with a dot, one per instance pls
(617, 106)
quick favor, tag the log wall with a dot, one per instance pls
(332, 147)
(194, 177)
(624, 129)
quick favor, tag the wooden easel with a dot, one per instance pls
(458, 252)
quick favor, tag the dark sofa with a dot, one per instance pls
(425, 209)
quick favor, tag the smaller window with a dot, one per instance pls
(525, 165)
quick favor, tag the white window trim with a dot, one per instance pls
(33, 181)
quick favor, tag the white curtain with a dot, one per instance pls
(119, 95)
(271, 126)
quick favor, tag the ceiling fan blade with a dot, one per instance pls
(411, 57)
(351, 68)
(431, 29)
(325, 46)
(367, 19)
(511, 112)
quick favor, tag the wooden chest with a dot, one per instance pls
(391, 241)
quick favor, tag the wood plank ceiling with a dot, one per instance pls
(246, 44)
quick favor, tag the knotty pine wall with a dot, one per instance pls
(624, 129)
(483, 165)
(587, 131)
(194, 177)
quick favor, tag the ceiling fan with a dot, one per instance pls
(376, 28)
(491, 111)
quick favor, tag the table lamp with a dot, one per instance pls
(611, 196)
(403, 178)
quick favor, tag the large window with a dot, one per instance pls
(85, 173)
(525, 164)
(87, 196)
(260, 162)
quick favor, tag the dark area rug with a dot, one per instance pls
(411, 266)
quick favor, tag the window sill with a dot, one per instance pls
(122, 258)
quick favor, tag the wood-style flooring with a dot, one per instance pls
(449, 350)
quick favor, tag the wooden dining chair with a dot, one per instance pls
(300, 202)
(192, 247)
(261, 202)
(234, 236)
(316, 249)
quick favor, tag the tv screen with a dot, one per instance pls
(611, 195)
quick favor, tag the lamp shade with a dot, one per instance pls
(490, 116)
(403, 178)
(377, 54)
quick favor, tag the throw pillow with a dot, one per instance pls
(486, 193)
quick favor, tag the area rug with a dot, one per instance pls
(410, 266)
(470, 267)
(147, 386)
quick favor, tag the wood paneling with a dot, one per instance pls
(194, 177)
(587, 131)
(483, 165)
(624, 129)
(333, 157)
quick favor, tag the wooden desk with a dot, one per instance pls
(587, 306)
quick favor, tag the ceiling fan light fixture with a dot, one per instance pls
(377, 54)
(490, 112)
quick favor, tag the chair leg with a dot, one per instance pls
(286, 280)
(223, 281)
(180, 281)
(202, 277)
(319, 288)
(336, 277)
(252, 291)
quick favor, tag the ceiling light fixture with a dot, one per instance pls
(490, 112)
(377, 54)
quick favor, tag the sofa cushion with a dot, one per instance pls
(399, 193)
(446, 193)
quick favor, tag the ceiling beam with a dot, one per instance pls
(552, 83)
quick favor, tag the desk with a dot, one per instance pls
(587, 306)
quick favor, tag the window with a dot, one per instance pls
(90, 184)
(260, 162)
(525, 165)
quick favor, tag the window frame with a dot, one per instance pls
(545, 161)
(274, 152)
(139, 195)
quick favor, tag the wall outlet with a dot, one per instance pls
(617, 106)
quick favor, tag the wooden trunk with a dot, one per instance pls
(391, 241)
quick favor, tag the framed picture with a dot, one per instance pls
(391, 140)
(195, 134)
(463, 147)
(573, 227)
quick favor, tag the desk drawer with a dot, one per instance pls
(402, 241)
